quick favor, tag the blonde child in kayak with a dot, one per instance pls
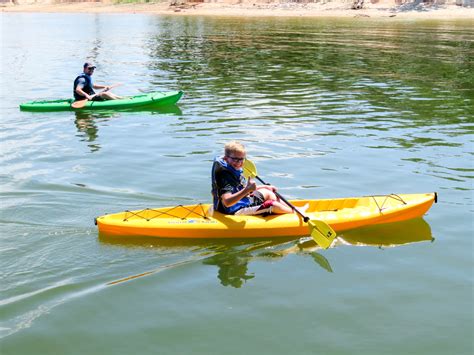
(234, 194)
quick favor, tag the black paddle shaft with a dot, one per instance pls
(305, 218)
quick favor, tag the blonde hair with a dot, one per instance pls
(234, 147)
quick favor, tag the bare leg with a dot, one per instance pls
(107, 95)
(279, 207)
(268, 195)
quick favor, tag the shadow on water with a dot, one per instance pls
(88, 130)
(232, 257)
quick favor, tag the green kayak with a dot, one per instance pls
(151, 99)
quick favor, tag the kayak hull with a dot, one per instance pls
(199, 221)
(137, 101)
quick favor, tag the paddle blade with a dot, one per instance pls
(250, 170)
(79, 104)
(322, 233)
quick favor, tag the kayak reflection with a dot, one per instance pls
(389, 235)
(232, 257)
(88, 130)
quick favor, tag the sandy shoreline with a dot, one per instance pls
(332, 9)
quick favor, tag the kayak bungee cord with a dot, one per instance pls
(166, 213)
(394, 196)
(129, 214)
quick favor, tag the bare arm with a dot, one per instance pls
(105, 87)
(83, 93)
(229, 199)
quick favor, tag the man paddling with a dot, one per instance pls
(84, 87)
(233, 194)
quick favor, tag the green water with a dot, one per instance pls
(326, 108)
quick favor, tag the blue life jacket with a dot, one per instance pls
(88, 87)
(238, 182)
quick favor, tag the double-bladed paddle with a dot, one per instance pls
(320, 231)
(82, 103)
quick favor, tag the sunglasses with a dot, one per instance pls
(90, 68)
(237, 160)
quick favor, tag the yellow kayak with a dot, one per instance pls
(200, 221)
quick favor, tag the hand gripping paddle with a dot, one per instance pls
(82, 103)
